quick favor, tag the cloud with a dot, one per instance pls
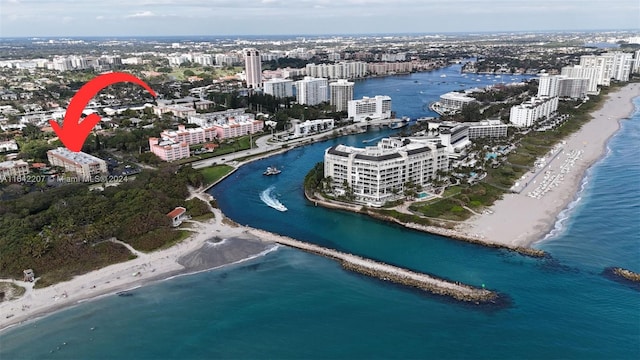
(141, 14)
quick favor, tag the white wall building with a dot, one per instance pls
(253, 68)
(529, 112)
(454, 101)
(379, 173)
(548, 85)
(83, 164)
(13, 169)
(279, 88)
(312, 91)
(580, 72)
(342, 70)
(310, 127)
(341, 93)
(376, 108)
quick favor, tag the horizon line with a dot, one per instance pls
(330, 34)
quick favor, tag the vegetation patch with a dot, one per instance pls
(214, 173)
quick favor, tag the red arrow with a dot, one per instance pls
(74, 132)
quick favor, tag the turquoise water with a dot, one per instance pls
(290, 304)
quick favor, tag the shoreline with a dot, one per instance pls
(528, 217)
(233, 244)
(520, 220)
(165, 264)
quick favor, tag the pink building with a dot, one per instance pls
(238, 128)
(190, 136)
(169, 150)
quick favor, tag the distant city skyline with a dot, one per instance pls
(20, 18)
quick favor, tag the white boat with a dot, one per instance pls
(270, 199)
(271, 170)
(443, 75)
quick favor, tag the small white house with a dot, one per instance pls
(177, 216)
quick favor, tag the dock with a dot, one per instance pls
(387, 272)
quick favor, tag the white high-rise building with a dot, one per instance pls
(529, 112)
(600, 64)
(549, 85)
(341, 93)
(375, 108)
(574, 88)
(636, 62)
(622, 63)
(279, 88)
(378, 174)
(580, 72)
(312, 91)
(253, 68)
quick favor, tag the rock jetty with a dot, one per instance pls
(387, 272)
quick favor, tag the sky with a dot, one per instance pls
(275, 17)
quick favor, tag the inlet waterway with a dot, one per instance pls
(291, 304)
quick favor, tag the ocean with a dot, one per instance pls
(291, 304)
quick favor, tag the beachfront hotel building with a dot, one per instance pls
(83, 164)
(341, 92)
(579, 72)
(169, 150)
(13, 168)
(312, 91)
(529, 112)
(375, 108)
(252, 68)
(378, 174)
(279, 88)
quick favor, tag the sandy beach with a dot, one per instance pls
(516, 220)
(528, 216)
(213, 244)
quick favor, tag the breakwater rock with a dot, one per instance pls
(460, 292)
(623, 276)
(383, 271)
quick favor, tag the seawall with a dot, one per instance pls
(452, 234)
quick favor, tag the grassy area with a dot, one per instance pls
(10, 291)
(204, 217)
(447, 209)
(215, 173)
(237, 144)
(405, 218)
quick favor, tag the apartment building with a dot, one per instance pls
(190, 136)
(168, 149)
(279, 88)
(529, 112)
(378, 174)
(375, 108)
(83, 164)
(341, 93)
(312, 91)
(13, 169)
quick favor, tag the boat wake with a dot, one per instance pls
(268, 198)
(374, 139)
